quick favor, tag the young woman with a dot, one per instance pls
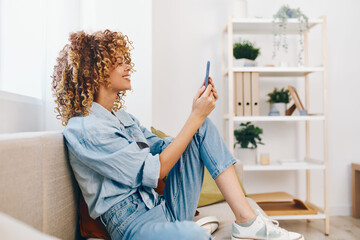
(117, 162)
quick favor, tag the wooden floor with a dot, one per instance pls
(341, 227)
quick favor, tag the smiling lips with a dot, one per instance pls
(127, 77)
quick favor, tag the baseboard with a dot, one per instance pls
(340, 211)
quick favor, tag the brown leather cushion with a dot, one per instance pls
(90, 228)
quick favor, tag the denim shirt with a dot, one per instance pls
(113, 157)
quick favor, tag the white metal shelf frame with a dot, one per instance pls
(265, 26)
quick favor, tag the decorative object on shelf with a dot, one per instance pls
(282, 203)
(247, 139)
(278, 100)
(291, 109)
(245, 54)
(283, 64)
(274, 111)
(264, 159)
(297, 101)
(240, 8)
(279, 29)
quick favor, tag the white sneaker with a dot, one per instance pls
(210, 224)
(263, 228)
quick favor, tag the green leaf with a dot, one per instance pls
(247, 135)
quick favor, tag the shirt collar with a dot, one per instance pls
(124, 117)
(101, 112)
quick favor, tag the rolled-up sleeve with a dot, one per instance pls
(151, 171)
(115, 157)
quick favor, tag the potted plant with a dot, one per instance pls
(278, 100)
(245, 53)
(279, 29)
(247, 139)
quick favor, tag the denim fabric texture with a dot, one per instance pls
(132, 210)
(110, 158)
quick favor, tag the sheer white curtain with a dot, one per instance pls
(31, 35)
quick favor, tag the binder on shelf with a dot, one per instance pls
(247, 94)
(239, 98)
(255, 94)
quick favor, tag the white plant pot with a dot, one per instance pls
(281, 107)
(244, 62)
(240, 8)
(247, 156)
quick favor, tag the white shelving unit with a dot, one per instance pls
(248, 26)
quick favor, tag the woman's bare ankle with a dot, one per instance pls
(243, 219)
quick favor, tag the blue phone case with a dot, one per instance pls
(207, 73)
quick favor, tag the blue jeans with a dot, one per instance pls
(172, 216)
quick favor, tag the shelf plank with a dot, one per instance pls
(277, 118)
(265, 25)
(284, 167)
(278, 71)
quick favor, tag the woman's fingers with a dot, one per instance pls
(208, 91)
(212, 90)
(216, 96)
(199, 92)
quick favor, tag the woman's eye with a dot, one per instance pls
(120, 63)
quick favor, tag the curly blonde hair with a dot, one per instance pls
(82, 66)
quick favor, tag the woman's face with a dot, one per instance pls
(120, 75)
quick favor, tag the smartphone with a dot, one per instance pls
(207, 73)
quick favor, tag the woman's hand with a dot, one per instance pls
(216, 96)
(204, 101)
(203, 104)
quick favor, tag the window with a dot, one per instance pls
(22, 46)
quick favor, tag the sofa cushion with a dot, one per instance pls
(21, 186)
(90, 228)
(37, 182)
(60, 188)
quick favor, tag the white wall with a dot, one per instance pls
(187, 33)
(135, 22)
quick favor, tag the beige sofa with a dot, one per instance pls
(37, 186)
(36, 183)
